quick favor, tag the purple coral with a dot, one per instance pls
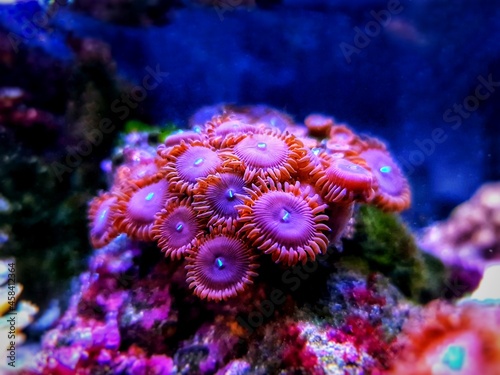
(241, 175)
(101, 220)
(284, 221)
(267, 154)
(218, 196)
(188, 162)
(176, 228)
(220, 267)
(137, 206)
(392, 191)
(345, 181)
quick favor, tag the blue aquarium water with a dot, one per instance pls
(249, 187)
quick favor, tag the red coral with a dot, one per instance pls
(297, 354)
(365, 336)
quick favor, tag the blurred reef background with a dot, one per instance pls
(77, 76)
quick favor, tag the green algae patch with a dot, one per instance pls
(382, 243)
(160, 132)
